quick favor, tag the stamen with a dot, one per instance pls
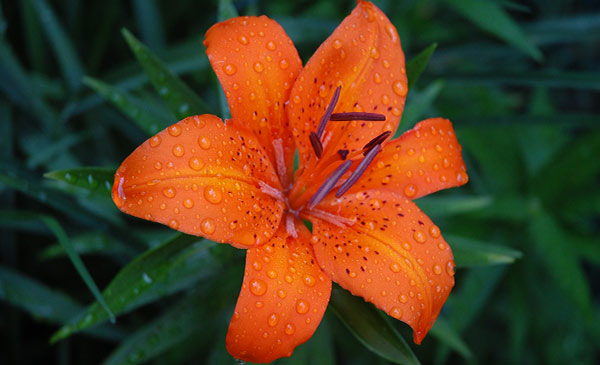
(328, 112)
(343, 154)
(328, 184)
(290, 226)
(280, 161)
(336, 220)
(362, 166)
(342, 117)
(271, 191)
(316, 144)
(376, 141)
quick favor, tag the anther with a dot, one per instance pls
(343, 153)
(342, 117)
(362, 166)
(328, 184)
(316, 144)
(375, 141)
(328, 112)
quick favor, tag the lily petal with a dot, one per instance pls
(422, 161)
(392, 255)
(283, 298)
(202, 177)
(257, 64)
(364, 57)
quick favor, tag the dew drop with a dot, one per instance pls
(271, 45)
(155, 141)
(273, 319)
(402, 298)
(178, 150)
(434, 231)
(258, 287)
(169, 192)
(309, 280)
(272, 274)
(173, 224)
(229, 69)
(243, 40)
(284, 64)
(437, 269)
(204, 142)
(395, 267)
(419, 236)
(297, 99)
(399, 88)
(196, 164)
(281, 293)
(174, 130)
(337, 44)
(450, 268)
(395, 312)
(188, 203)
(212, 195)
(257, 265)
(410, 190)
(208, 226)
(157, 165)
(302, 306)
(290, 329)
(258, 67)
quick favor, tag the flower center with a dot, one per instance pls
(329, 170)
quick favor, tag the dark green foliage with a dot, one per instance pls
(84, 83)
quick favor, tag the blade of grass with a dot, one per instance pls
(416, 66)
(64, 50)
(96, 180)
(446, 334)
(182, 101)
(489, 16)
(42, 302)
(89, 243)
(63, 239)
(370, 327)
(172, 266)
(444, 206)
(468, 252)
(582, 80)
(128, 105)
(149, 23)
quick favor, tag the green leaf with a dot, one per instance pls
(42, 302)
(416, 66)
(489, 16)
(179, 322)
(182, 101)
(558, 256)
(128, 105)
(58, 231)
(96, 180)
(446, 334)
(569, 120)
(370, 327)
(226, 10)
(168, 268)
(468, 252)
(582, 80)
(444, 206)
(418, 105)
(88, 243)
(148, 16)
(64, 50)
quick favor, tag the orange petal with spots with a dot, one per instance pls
(257, 64)
(364, 57)
(283, 298)
(422, 161)
(392, 255)
(202, 177)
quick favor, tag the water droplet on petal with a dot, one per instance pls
(196, 164)
(290, 329)
(204, 142)
(450, 268)
(188, 203)
(174, 130)
(273, 319)
(437, 269)
(178, 150)
(258, 287)
(337, 44)
(309, 280)
(419, 236)
(284, 64)
(302, 306)
(169, 192)
(434, 231)
(243, 40)
(410, 190)
(395, 312)
(208, 226)
(229, 69)
(258, 67)
(155, 141)
(271, 45)
(281, 293)
(173, 224)
(402, 298)
(213, 195)
(399, 88)
(395, 267)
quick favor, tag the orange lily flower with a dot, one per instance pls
(234, 182)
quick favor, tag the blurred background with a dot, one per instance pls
(519, 79)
